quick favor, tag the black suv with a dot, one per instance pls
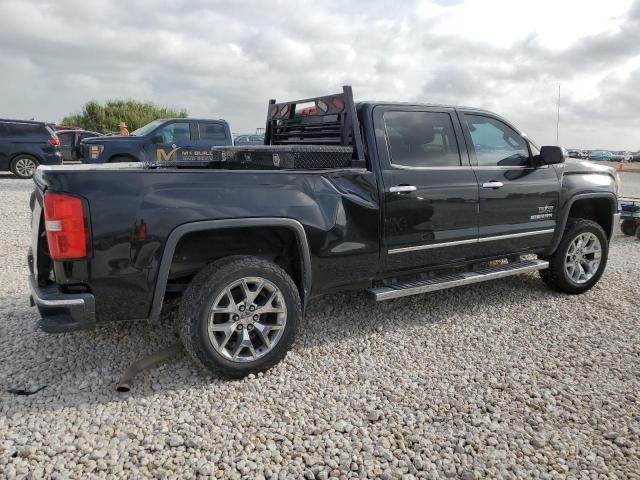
(25, 144)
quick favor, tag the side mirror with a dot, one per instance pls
(157, 139)
(550, 155)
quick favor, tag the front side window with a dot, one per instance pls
(175, 132)
(212, 131)
(495, 143)
(421, 139)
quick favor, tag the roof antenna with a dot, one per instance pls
(558, 118)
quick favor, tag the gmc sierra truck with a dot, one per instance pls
(394, 198)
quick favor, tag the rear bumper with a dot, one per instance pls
(61, 312)
(51, 159)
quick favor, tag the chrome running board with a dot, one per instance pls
(457, 279)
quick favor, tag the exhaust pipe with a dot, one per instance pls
(126, 380)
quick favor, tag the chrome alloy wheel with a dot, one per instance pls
(247, 319)
(583, 258)
(25, 167)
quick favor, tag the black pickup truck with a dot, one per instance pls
(394, 198)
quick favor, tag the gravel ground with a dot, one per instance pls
(503, 379)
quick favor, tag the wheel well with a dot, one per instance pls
(24, 154)
(600, 210)
(198, 249)
(125, 155)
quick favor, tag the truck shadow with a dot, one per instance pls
(81, 369)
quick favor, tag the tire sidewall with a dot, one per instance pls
(217, 281)
(629, 227)
(15, 161)
(572, 232)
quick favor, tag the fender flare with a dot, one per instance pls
(180, 231)
(562, 223)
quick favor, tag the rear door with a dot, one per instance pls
(5, 148)
(67, 145)
(518, 200)
(430, 197)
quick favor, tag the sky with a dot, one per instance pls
(226, 59)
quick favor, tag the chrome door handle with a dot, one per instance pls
(403, 189)
(492, 185)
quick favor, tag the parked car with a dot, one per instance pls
(70, 142)
(397, 199)
(600, 155)
(576, 154)
(636, 157)
(26, 144)
(621, 155)
(249, 140)
(169, 140)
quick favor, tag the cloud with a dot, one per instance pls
(226, 59)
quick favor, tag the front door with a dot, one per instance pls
(430, 197)
(518, 199)
(177, 140)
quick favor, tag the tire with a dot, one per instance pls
(557, 276)
(629, 227)
(638, 231)
(122, 159)
(222, 351)
(23, 166)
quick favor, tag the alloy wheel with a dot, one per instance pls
(25, 167)
(247, 319)
(583, 256)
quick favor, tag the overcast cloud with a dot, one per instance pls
(225, 59)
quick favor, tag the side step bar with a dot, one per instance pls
(457, 279)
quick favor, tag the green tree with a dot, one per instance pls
(105, 118)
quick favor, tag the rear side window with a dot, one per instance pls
(212, 131)
(421, 139)
(495, 143)
(25, 129)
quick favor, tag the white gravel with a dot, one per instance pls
(503, 379)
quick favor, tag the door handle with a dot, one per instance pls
(492, 185)
(402, 189)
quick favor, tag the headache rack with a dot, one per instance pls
(329, 121)
(314, 133)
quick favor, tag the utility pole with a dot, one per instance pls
(558, 118)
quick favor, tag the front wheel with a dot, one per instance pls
(23, 166)
(239, 315)
(580, 259)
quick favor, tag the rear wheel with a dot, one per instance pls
(629, 227)
(580, 259)
(239, 315)
(23, 166)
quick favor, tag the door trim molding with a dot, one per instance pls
(469, 241)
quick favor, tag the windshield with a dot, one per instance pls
(148, 128)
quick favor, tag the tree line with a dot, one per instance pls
(105, 118)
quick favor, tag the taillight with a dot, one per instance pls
(54, 141)
(64, 224)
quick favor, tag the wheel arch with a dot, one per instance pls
(599, 207)
(182, 231)
(126, 155)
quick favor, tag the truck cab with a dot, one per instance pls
(162, 140)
